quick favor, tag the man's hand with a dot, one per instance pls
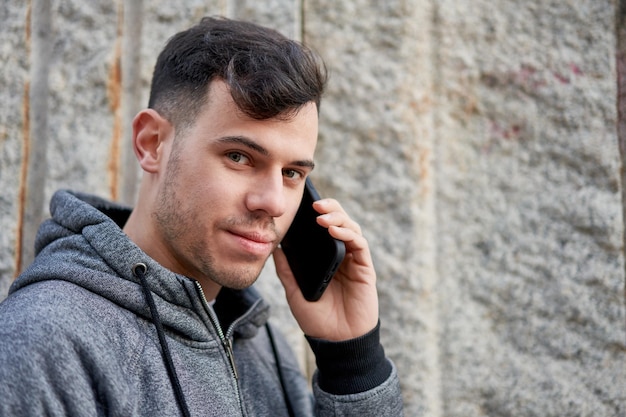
(349, 306)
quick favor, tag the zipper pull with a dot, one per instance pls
(231, 356)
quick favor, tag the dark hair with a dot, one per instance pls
(268, 74)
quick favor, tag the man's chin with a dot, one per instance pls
(240, 279)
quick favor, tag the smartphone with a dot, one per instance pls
(313, 254)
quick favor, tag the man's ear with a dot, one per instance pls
(150, 131)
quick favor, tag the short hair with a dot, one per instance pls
(268, 74)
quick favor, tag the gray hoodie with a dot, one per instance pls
(78, 338)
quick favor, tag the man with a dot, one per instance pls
(151, 312)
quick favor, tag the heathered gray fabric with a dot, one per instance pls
(75, 339)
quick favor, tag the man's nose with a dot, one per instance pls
(268, 195)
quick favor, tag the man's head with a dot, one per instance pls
(268, 74)
(225, 147)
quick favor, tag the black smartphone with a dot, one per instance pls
(313, 254)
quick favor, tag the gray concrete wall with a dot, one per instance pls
(477, 143)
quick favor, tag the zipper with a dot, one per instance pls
(224, 339)
(228, 345)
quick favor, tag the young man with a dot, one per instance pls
(151, 312)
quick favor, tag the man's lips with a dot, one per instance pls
(253, 241)
(255, 236)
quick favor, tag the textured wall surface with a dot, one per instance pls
(477, 143)
(529, 212)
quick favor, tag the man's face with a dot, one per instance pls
(230, 190)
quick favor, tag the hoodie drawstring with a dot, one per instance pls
(279, 367)
(139, 270)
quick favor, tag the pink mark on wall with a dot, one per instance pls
(509, 132)
(567, 78)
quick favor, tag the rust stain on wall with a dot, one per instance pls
(19, 236)
(23, 174)
(114, 93)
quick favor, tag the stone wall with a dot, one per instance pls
(477, 143)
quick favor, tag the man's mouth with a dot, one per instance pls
(254, 242)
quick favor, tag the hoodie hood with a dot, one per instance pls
(83, 243)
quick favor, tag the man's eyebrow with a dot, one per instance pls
(248, 143)
(242, 140)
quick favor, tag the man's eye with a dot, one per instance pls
(292, 174)
(237, 157)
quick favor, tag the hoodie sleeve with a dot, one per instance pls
(355, 378)
(382, 401)
(37, 372)
(45, 370)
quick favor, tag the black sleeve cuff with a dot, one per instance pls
(351, 366)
